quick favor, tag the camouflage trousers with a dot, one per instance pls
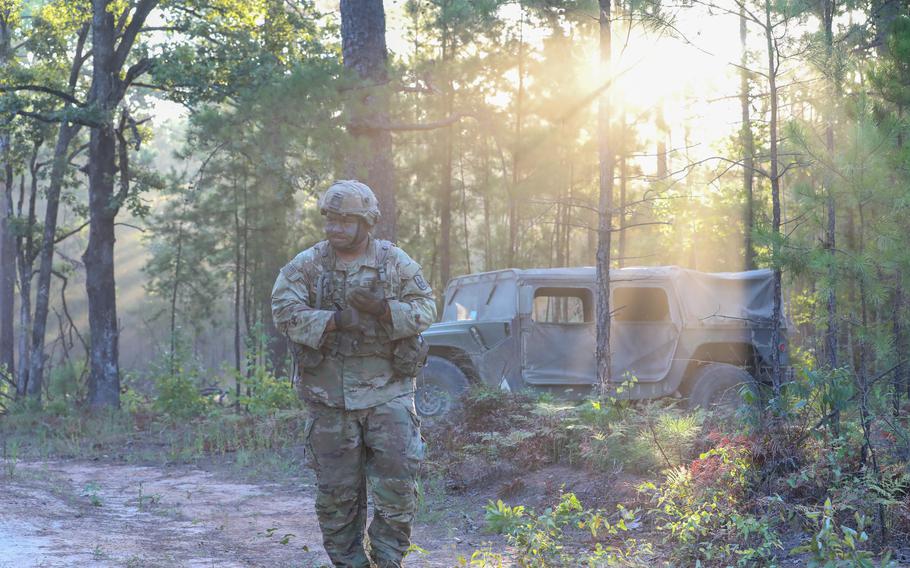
(348, 448)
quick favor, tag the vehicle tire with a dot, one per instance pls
(439, 387)
(717, 386)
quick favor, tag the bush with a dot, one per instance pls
(265, 393)
(178, 396)
(699, 507)
(832, 546)
(552, 538)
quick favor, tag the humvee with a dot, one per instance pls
(678, 332)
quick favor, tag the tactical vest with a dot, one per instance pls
(332, 287)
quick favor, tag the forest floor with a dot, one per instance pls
(97, 513)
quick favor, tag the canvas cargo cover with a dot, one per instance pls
(726, 298)
(705, 299)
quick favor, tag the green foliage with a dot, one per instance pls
(178, 395)
(833, 547)
(699, 507)
(544, 539)
(265, 393)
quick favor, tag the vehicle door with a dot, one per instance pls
(557, 335)
(644, 331)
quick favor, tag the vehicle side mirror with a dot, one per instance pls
(525, 300)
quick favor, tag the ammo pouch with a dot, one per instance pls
(409, 356)
(305, 356)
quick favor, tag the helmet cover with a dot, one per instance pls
(350, 197)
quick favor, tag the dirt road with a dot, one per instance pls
(73, 513)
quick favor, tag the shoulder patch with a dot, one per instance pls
(421, 283)
(291, 272)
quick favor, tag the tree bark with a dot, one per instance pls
(104, 364)
(7, 240)
(828, 10)
(605, 206)
(25, 247)
(516, 148)
(42, 295)
(748, 143)
(364, 50)
(777, 309)
(106, 93)
(623, 180)
(445, 185)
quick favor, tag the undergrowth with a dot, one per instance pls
(774, 481)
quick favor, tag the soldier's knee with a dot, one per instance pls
(339, 499)
(395, 499)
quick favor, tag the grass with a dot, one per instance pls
(265, 445)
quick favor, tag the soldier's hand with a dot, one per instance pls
(347, 319)
(367, 301)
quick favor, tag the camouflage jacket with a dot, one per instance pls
(350, 370)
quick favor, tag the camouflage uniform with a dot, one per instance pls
(363, 425)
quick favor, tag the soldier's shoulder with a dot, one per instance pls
(397, 255)
(306, 262)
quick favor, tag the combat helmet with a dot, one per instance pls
(350, 197)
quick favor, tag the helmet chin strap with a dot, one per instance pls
(360, 236)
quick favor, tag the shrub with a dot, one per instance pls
(541, 540)
(833, 547)
(699, 507)
(178, 396)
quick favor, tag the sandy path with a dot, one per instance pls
(69, 513)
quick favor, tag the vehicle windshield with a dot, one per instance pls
(481, 301)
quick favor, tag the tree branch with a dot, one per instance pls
(50, 119)
(68, 234)
(143, 9)
(404, 127)
(42, 89)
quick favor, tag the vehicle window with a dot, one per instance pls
(563, 305)
(640, 304)
(481, 301)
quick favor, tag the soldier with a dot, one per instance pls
(353, 308)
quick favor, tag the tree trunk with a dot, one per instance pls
(605, 206)
(106, 93)
(238, 284)
(7, 240)
(623, 177)
(487, 232)
(445, 185)
(364, 50)
(897, 315)
(43, 289)
(104, 364)
(464, 214)
(882, 13)
(831, 225)
(748, 142)
(516, 149)
(777, 310)
(175, 295)
(26, 246)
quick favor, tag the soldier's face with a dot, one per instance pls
(343, 231)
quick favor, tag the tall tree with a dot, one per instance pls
(364, 51)
(747, 139)
(9, 14)
(60, 163)
(112, 42)
(606, 159)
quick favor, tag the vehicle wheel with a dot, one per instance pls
(439, 387)
(716, 386)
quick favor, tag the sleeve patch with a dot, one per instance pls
(291, 273)
(421, 283)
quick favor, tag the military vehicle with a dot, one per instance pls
(678, 332)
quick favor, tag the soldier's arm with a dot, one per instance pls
(415, 308)
(292, 313)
